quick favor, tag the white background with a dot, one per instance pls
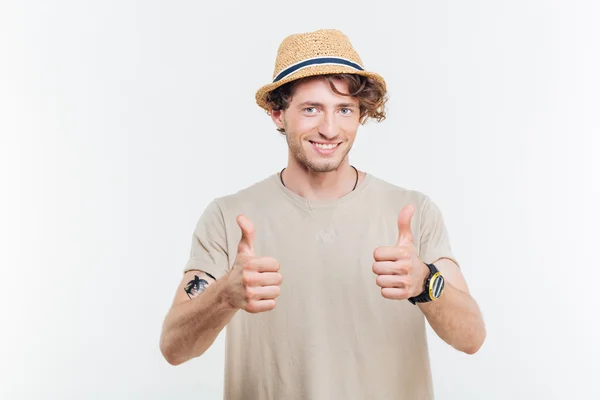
(121, 120)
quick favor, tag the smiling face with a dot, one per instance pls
(320, 125)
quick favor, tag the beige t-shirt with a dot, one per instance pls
(332, 335)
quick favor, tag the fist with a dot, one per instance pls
(400, 272)
(253, 281)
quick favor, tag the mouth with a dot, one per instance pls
(324, 147)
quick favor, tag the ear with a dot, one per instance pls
(278, 118)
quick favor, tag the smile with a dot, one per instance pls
(324, 148)
(327, 146)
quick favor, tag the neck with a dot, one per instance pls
(314, 185)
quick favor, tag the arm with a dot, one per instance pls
(199, 312)
(455, 316)
(401, 274)
(203, 306)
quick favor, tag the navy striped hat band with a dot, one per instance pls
(316, 61)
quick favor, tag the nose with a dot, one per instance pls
(328, 127)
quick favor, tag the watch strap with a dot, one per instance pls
(426, 296)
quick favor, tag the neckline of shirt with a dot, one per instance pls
(309, 204)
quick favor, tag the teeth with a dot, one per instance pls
(326, 146)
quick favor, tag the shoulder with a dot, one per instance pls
(394, 193)
(393, 197)
(256, 201)
(253, 200)
(256, 193)
(427, 218)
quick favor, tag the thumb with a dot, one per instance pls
(405, 235)
(246, 245)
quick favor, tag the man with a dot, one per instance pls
(323, 274)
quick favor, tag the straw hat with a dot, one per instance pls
(326, 51)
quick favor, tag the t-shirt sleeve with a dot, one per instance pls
(434, 238)
(208, 250)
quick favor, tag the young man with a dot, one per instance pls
(323, 274)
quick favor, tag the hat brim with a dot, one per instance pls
(261, 94)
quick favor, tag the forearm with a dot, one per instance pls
(456, 318)
(191, 327)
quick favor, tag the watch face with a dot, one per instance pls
(436, 286)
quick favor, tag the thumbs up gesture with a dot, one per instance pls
(400, 272)
(253, 281)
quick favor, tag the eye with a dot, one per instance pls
(310, 108)
(348, 111)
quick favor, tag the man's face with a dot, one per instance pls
(320, 125)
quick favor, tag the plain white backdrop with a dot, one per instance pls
(121, 120)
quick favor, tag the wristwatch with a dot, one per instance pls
(434, 286)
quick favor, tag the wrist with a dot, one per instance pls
(433, 286)
(422, 280)
(226, 294)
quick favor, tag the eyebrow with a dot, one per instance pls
(317, 104)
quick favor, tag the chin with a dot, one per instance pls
(316, 163)
(323, 165)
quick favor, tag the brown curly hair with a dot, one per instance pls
(372, 95)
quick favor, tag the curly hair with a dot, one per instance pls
(372, 95)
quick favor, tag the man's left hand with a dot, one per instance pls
(400, 272)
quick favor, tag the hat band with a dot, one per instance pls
(316, 61)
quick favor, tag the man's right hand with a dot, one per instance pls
(253, 283)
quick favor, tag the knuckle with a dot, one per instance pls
(247, 278)
(247, 265)
(402, 269)
(250, 294)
